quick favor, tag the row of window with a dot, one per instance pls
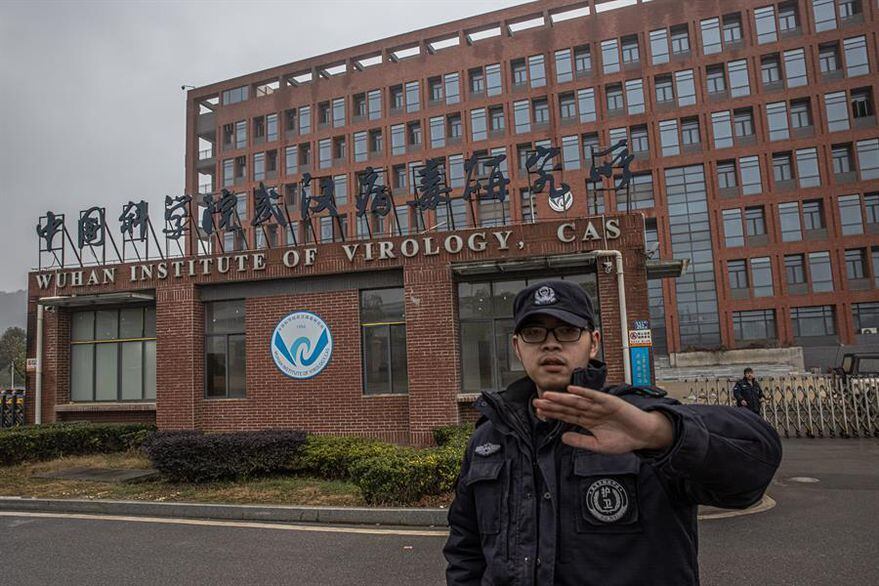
(716, 34)
(800, 220)
(804, 273)
(760, 326)
(729, 80)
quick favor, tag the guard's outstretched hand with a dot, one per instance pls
(616, 426)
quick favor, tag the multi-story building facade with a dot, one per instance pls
(752, 123)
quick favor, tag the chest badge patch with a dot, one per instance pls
(487, 449)
(607, 500)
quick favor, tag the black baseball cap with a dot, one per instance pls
(564, 300)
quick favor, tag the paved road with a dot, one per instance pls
(819, 533)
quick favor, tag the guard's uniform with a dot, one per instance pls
(750, 392)
(530, 509)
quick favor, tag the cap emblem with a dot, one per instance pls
(545, 296)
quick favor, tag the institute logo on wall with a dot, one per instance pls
(302, 345)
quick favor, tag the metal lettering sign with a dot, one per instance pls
(560, 198)
(621, 160)
(176, 216)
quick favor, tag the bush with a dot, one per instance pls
(45, 442)
(453, 434)
(407, 475)
(331, 457)
(197, 457)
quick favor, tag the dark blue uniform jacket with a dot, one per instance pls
(749, 392)
(541, 512)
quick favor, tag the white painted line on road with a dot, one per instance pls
(764, 505)
(241, 524)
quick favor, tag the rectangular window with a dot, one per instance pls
(782, 168)
(738, 275)
(259, 166)
(383, 336)
(754, 325)
(234, 96)
(789, 217)
(640, 140)
(733, 233)
(795, 269)
(113, 355)
(752, 181)
(813, 321)
(668, 138)
(726, 175)
(586, 105)
(635, 96)
(813, 215)
(665, 92)
(522, 116)
(659, 46)
(755, 222)
(824, 12)
(610, 56)
(795, 68)
(685, 88)
(800, 114)
(739, 84)
(571, 152)
(690, 131)
(766, 26)
(629, 48)
(564, 68)
(537, 71)
(478, 127)
(413, 96)
(541, 111)
(582, 61)
(614, 96)
(865, 315)
(325, 153)
(721, 123)
(304, 120)
(493, 79)
(398, 139)
(680, 40)
(807, 168)
(850, 218)
(374, 104)
(271, 127)
(856, 62)
(711, 36)
(836, 105)
(821, 272)
(338, 112)
(567, 107)
(743, 122)
(828, 58)
(291, 160)
(871, 205)
(225, 349)
(855, 264)
(715, 79)
(761, 276)
(868, 158)
(776, 114)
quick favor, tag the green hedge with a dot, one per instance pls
(331, 457)
(196, 457)
(45, 442)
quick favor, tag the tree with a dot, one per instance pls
(13, 348)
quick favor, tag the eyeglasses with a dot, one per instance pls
(538, 334)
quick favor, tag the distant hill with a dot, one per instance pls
(13, 309)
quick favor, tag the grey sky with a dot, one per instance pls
(91, 111)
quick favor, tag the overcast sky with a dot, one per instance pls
(91, 110)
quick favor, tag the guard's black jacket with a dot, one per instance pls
(749, 392)
(552, 514)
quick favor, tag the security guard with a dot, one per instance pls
(567, 484)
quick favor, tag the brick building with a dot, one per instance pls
(756, 158)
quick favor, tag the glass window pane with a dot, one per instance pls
(504, 293)
(131, 323)
(149, 370)
(82, 358)
(149, 330)
(106, 372)
(376, 359)
(106, 324)
(509, 367)
(224, 316)
(83, 325)
(476, 359)
(215, 366)
(399, 363)
(237, 366)
(381, 305)
(132, 371)
(474, 300)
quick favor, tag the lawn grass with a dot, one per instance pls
(276, 490)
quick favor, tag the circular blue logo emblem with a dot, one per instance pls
(302, 345)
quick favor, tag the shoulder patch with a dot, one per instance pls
(487, 449)
(643, 391)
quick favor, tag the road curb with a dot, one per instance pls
(404, 517)
(401, 517)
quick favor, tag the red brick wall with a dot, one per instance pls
(147, 417)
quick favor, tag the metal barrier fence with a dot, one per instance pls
(804, 406)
